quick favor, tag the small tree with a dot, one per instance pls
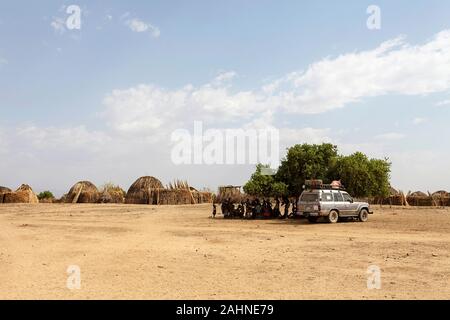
(264, 185)
(361, 176)
(45, 195)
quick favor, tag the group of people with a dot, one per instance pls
(257, 209)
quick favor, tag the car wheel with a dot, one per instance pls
(333, 216)
(363, 215)
(313, 219)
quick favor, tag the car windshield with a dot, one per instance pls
(310, 197)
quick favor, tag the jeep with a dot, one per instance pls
(332, 204)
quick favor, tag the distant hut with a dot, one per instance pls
(230, 192)
(418, 194)
(142, 191)
(441, 194)
(393, 192)
(24, 194)
(112, 195)
(82, 192)
(3, 190)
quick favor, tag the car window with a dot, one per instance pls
(327, 197)
(338, 197)
(310, 197)
(346, 196)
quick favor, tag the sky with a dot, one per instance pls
(100, 100)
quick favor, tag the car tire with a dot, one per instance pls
(363, 215)
(333, 216)
(313, 219)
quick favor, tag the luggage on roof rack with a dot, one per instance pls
(318, 184)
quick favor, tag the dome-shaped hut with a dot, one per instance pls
(141, 191)
(418, 194)
(440, 193)
(24, 194)
(82, 192)
(3, 190)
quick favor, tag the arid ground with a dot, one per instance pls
(149, 252)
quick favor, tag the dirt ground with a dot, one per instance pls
(149, 252)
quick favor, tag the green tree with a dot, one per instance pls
(304, 162)
(264, 185)
(45, 195)
(361, 176)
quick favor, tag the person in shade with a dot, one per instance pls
(214, 210)
(276, 209)
(286, 208)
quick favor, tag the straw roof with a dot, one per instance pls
(5, 189)
(82, 192)
(140, 192)
(441, 193)
(24, 194)
(418, 194)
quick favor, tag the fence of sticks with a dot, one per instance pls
(148, 190)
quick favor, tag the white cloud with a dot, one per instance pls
(290, 137)
(394, 67)
(137, 25)
(390, 136)
(225, 76)
(62, 138)
(419, 120)
(58, 25)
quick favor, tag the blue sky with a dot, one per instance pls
(68, 98)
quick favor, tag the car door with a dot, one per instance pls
(339, 202)
(350, 206)
(346, 205)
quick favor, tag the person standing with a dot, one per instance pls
(276, 209)
(286, 208)
(214, 210)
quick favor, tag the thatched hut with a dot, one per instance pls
(418, 194)
(24, 194)
(173, 197)
(230, 192)
(441, 194)
(3, 190)
(82, 192)
(142, 191)
(112, 196)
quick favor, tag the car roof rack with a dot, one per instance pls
(319, 185)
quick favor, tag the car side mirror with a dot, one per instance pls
(350, 200)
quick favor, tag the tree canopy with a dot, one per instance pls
(362, 177)
(264, 185)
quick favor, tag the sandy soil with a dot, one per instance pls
(147, 252)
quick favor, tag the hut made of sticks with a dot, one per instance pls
(24, 194)
(142, 191)
(3, 190)
(112, 196)
(230, 192)
(82, 192)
